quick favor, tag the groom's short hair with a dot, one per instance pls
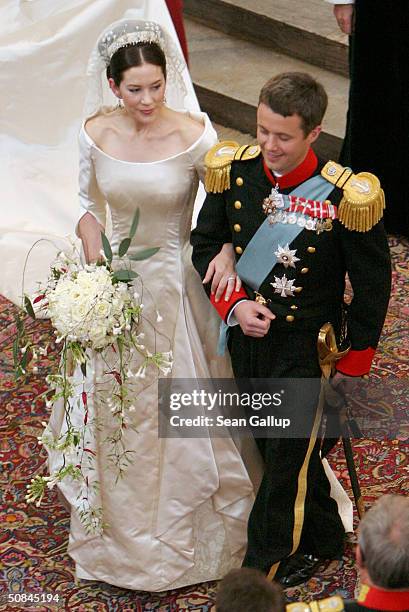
(296, 93)
(247, 589)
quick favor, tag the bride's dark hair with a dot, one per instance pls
(131, 56)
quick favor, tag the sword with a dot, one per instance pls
(328, 355)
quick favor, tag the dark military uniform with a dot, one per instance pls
(370, 599)
(293, 510)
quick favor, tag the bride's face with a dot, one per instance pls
(142, 90)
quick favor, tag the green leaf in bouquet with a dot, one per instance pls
(134, 225)
(107, 248)
(29, 307)
(124, 246)
(19, 324)
(15, 352)
(144, 254)
(83, 367)
(124, 275)
(25, 360)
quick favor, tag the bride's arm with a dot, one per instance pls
(89, 230)
(92, 203)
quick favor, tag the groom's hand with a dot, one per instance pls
(254, 319)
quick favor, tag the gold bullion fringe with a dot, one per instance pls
(361, 216)
(217, 180)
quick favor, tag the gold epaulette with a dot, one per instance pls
(363, 202)
(331, 604)
(218, 163)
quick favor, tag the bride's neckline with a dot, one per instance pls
(195, 115)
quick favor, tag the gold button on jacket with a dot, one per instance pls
(237, 227)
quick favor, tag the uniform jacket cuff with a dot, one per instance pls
(223, 307)
(356, 363)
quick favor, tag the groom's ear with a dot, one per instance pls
(313, 135)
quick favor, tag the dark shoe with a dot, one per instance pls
(297, 569)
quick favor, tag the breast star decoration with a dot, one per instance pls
(283, 286)
(286, 256)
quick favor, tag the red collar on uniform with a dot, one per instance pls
(378, 599)
(300, 174)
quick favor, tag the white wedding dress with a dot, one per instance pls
(179, 514)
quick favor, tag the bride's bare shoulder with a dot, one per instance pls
(189, 127)
(98, 125)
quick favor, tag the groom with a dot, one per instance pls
(297, 225)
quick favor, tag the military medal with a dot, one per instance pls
(286, 256)
(311, 215)
(324, 225)
(273, 201)
(283, 286)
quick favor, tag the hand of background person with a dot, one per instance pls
(222, 272)
(254, 319)
(344, 384)
(344, 15)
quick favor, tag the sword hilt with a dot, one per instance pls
(328, 352)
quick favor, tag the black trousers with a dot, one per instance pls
(293, 510)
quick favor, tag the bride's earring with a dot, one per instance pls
(119, 104)
(164, 101)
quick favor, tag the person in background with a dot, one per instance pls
(245, 589)
(382, 557)
(175, 8)
(377, 132)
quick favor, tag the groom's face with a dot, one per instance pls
(283, 142)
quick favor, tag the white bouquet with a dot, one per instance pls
(94, 309)
(86, 307)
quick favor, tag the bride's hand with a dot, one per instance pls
(222, 272)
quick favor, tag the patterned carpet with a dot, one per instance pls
(33, 540)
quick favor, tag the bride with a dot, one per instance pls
(46, 45)
(178, 515)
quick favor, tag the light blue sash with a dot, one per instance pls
(258, 258)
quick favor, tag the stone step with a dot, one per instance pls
(228, 74)
(303, 29)
(226, 133)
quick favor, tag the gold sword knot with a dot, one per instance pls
(328, 352)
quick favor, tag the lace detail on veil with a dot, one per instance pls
(122, 33)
